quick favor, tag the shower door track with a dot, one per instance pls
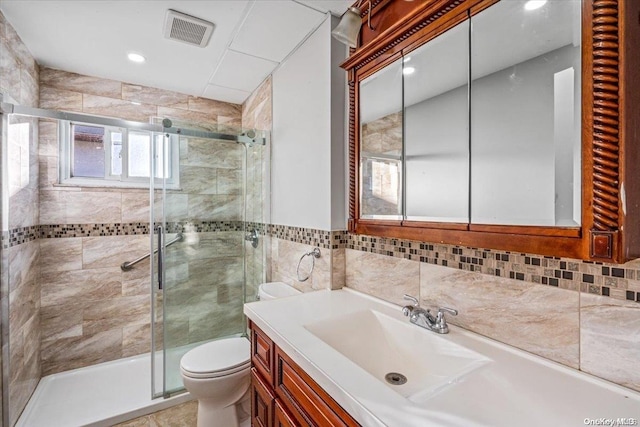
(8, 108)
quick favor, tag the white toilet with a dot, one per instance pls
(217, 375)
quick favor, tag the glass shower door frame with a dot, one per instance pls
(157, 234)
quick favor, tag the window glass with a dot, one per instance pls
(139, 154)
(88, 151)
(163, 169)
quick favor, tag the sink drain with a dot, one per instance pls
(395, 378)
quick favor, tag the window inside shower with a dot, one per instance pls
(99, 155)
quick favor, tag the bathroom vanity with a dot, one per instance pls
(335, 358)
(283, 394)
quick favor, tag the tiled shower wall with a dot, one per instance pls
(91, 310)
(19, 83)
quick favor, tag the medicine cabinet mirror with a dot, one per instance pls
(484, 123)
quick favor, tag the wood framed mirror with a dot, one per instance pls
(514, 130)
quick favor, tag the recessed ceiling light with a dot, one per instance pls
(406, 59)
(136, 57)
(408, 70)
(534, 4)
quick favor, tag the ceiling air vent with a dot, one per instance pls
(187, 29)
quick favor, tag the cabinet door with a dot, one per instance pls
(282, 417)
(262, 402)
(262, 353)
(308, 402)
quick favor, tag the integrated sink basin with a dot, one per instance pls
(390, 349)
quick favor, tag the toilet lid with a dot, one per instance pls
(217, 356)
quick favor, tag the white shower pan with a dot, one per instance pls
(98, 395)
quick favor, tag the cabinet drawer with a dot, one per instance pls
(282, 417)
(262, 402)
(309, 404)
(262, 353)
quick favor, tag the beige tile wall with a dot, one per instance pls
(610, 339)
(285, 256)
(24, 325)
(19, 75)
(540, 319)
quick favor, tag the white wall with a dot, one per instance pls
(339, 139)
(307, 168)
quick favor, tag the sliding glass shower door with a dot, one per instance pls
(198, 209)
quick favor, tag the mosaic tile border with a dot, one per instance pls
(21, 235)
(609, 280)
(307, 236)
(204, 226)
(57, 231)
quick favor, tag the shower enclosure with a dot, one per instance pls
(205, 268)
(206, 202)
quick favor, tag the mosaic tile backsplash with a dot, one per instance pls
(609, 280)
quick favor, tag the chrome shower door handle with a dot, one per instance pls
(160, 255)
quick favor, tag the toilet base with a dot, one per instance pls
(211, 416)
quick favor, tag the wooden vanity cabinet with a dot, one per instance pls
(282, 417)
(262, 401)
(282, 394)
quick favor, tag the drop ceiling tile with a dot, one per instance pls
(226, 94)
(336, 7)
(242, 72)
(273, 29)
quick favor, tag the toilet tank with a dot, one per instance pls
(273, 290)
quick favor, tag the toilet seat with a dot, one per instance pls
(217, 358)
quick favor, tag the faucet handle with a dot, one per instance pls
(441, 322)
(414, 300)
(451, 311)
(407, 310)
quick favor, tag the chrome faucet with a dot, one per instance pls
(425, 319)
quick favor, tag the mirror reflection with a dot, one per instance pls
(504, 149)
(525, 114)
(381, 144)
(436, 98)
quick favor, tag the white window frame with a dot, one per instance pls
(66, 151)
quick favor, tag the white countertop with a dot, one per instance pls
(515, 388)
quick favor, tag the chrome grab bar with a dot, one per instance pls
(125, 266)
